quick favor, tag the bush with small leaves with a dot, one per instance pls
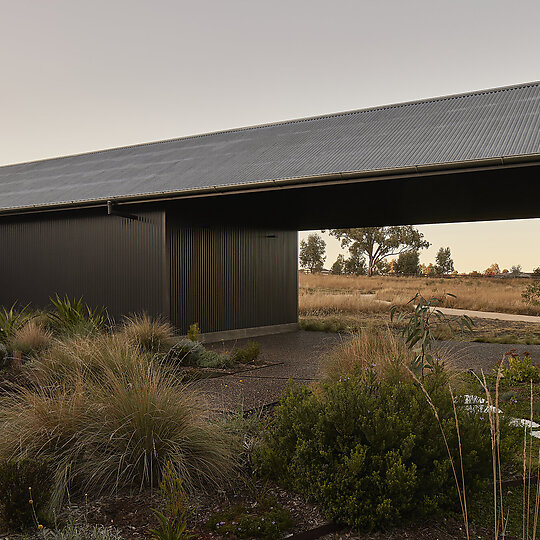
(266, 519)
(370, 451)
(518, 369)
(247, 354)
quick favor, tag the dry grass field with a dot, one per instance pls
(322, 294)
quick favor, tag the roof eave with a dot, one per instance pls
(280, 183)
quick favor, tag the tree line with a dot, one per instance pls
(369, 250)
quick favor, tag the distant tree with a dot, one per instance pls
(312, 253)
(505, 271)
(475, 273)
(536, 272)
(428, 270)
(338, 266)
(443, 262)
(408, 263)
(355, 264)
(516, 270)
(379, 243)
(492, 270)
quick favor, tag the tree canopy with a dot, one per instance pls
(443, 261)
(377, 243)
(312, 253)
(408, 263)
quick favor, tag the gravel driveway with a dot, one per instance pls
(298, 356)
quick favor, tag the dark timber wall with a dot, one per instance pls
(111, 261)
(229, 277)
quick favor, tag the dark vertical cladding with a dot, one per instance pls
(232, 277)
(109, 260)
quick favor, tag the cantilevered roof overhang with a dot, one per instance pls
(454, 158)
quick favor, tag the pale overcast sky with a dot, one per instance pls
(78, 76)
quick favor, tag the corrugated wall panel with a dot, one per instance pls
(226, 278)
(109, 260)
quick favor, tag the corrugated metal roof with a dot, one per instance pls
(479, 125)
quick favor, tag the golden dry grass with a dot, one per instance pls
(31, 338)
(374, 348)
(339, 294)
(326, 303)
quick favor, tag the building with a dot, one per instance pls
(204, 228)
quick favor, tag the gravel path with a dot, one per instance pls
(490, 315)
(295, 355)
(298, 356)
(481, 356)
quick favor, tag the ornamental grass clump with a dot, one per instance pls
(153, 335)
(371, 348)
(114, 427)
(83, 356)
(31, 338)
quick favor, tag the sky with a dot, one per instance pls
(78, 76)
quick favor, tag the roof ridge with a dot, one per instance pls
(287, 122)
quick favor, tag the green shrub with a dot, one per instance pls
(74, 317)
(265, 520)
(214, 359)
(193, 353)
(194, 332)
(21, 482)
(188, 352)
(152, 335)
(114, 425)
(247, 354)
(370, 452)
(518, 369)
(173, 520)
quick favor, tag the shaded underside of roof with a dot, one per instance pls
(480, 125)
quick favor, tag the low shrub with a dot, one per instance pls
(114, 426)
(194, 332)
(193, 353)
(247, 354)
(518, 369)
(173, 519)
(25, 487)
(152, 335)
(370, 451)
(265, 520)
(214, 359)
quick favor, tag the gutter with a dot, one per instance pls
(414, 171)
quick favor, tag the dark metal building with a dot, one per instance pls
(204, 228)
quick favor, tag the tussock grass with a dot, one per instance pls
(154, 335)
(109, 418)
(31, 338)
(479, 294)
(373, 348)
(85, 355)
